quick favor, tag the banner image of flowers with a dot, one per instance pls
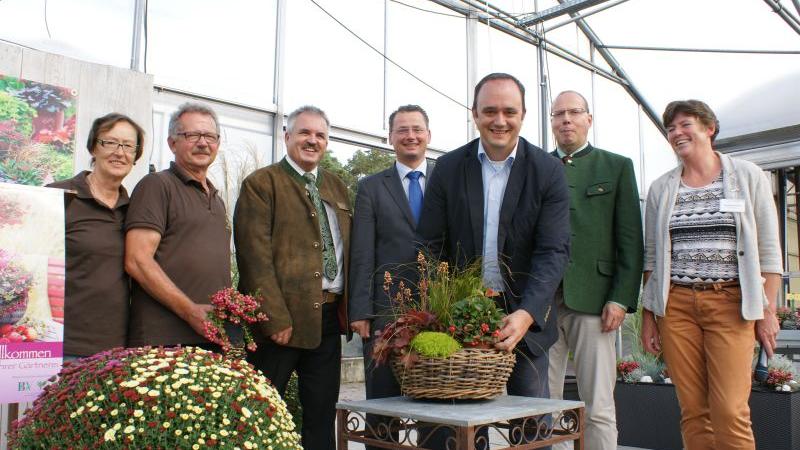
(31, 289)
(37, 132)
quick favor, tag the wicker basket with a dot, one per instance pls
(469, 374)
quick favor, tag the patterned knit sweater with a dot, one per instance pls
(703, 238)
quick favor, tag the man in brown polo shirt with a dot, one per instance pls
(292, 231)
(177, 246)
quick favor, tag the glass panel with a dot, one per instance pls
(330, 68)
(91, 30)
(224, 50)
(715, 78)
(436, 52)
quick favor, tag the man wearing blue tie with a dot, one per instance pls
(387, 210)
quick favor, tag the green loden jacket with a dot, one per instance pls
(606, 253)
(279, 250)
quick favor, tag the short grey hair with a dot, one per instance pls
(585, 102)
(305, 109)
(190, 107)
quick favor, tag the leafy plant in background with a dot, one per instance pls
(8, 84)
(9, 136)
(60, 139)
(43, 97)
(788, 318)
(12, 108)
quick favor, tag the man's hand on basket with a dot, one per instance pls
(515, 325)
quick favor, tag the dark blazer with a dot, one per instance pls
(382, 239)
(279, 251)
(533, 236)
(606, 222)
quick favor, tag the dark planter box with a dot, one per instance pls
(648, 416)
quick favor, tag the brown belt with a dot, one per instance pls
(330, 297)
(707, 286)
(327, 297)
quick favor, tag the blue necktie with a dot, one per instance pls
(415, 194)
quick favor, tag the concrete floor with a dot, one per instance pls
(355, 391)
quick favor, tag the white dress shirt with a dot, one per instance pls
(495, 176)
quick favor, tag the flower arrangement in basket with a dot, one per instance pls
(228, 323)
(441, 342)
(15, 282)
(157, 398)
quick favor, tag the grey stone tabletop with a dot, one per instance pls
(460, 413)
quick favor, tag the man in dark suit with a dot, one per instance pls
(292, 233)
(387, 208)
(506, 201)
(602, 283)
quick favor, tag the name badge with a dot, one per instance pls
(733, 205)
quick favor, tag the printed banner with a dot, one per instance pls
(31, 289)
(37, 132)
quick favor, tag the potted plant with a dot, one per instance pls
(228, 323)
(441, 341)
(159, 398)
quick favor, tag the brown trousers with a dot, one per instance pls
(708, 348)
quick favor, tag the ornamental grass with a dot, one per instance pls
(157, 398)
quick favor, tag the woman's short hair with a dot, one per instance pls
(694, 108)
(107, 122)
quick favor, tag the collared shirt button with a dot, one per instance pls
(741, 253)
(316, 244)
(316, 305)
(317, 274)
(313, 214)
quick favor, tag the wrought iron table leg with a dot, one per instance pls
(341, 419)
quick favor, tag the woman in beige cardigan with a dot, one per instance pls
(712, 272)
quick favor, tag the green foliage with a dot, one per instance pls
(440, 287)
(19, 172)
(12, 108)
(434, 344)
(43, 97)
(367, 163)
(58, 163)
(476, 321)
(8, 84)
(650, 365)
(360, 165)
(292, 399)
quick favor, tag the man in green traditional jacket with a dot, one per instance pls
(604, 272)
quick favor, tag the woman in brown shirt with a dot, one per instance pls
(97, 287)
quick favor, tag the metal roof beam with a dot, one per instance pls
(512, 28)
(617, 68)
(566, 7)
(787, 16)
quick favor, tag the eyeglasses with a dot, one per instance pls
(112, 146)
(413, 130)
(563, 112)
(211, 138)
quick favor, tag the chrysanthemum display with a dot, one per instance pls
(157, 398)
